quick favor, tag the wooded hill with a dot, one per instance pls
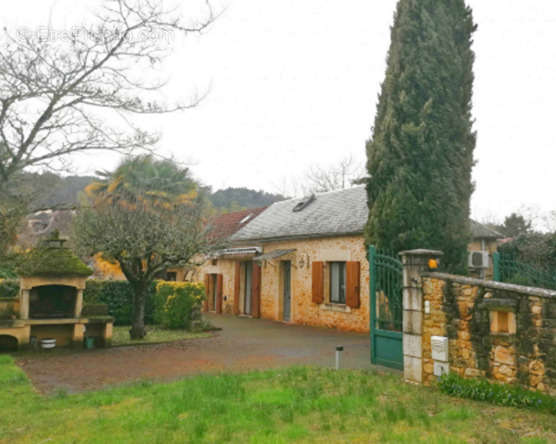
(51, 191)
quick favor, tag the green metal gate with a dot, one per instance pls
(386, 280)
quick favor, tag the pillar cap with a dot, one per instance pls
(421, 252)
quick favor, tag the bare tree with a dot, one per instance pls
(337, 176)
(56, 88)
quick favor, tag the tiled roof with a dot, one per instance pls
(335, 213)
(227, 224)
(480, 231)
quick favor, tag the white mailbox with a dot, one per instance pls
(439, 346)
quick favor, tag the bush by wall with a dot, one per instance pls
(6, 272)
(9, 288)
(176, 303)
(508, 395)
(95, 310)
(118, 296)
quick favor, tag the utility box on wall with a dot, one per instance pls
(439, 346)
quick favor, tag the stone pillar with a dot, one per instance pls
(78, 303)
(24, 304)
(107, 334)
(415, 262)
(78, 334)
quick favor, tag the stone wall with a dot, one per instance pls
(225, 267)
(500, 331)
(303, 310)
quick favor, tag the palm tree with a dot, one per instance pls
(143, 179)
(147, 215)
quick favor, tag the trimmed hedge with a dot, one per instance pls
(507, 395)
(176, 303)
(95, 310)
(118, 296)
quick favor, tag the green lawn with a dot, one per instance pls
(120, 335)
(279, 406)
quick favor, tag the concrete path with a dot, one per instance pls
(307, 345)
(242, 344)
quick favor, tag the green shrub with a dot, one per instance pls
(507, 395)
(9, 288)
(95, 310)
(8, 264)
(175, 303)
(118, 296)
(7, 273)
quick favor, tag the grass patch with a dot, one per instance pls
(279, 406)
(120, 335)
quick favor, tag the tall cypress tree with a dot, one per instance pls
(420, 155)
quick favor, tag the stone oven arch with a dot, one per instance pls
(52, 301)
(8, 343)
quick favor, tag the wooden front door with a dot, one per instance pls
(248, 288)
(213, 295)
(287, 292)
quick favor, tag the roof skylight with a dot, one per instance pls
(304, 203)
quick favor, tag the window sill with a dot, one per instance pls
(341, 308)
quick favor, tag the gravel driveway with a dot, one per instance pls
(242, 344)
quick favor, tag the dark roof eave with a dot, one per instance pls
(319, 235)
(297, 237)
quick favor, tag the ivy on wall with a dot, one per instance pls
(479, 328)
(451, 310)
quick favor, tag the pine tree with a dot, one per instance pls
(420, 155)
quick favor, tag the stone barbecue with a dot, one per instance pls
(50, 302)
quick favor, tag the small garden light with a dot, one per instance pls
(433, 264)
(339, 350)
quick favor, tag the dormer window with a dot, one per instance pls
(304, 203)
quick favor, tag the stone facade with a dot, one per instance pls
(225, 267)
(303, 310)
(503, 332)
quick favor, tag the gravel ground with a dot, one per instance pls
(242, 344)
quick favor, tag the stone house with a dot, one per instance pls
(301, 261)
(487, 240)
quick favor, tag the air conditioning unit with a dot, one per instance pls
(478, 259)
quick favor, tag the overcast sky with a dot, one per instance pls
(295, 82)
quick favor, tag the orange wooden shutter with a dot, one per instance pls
(318, 282)
(353, 288)
(207, 289)
(237, 283)
(219, 286)
(256, 291)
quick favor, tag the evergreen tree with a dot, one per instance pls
(516, 225)
(420, 155)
